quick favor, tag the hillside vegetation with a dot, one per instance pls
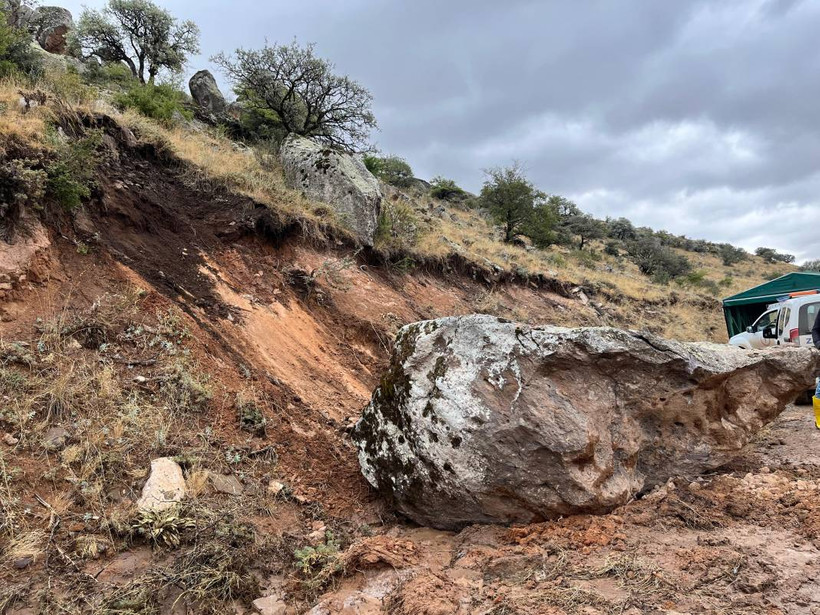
(164, 294)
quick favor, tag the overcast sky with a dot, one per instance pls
(697, 117)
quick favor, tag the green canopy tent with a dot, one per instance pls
(743, 309)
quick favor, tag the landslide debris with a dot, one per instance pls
(481, 420)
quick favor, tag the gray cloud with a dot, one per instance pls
(698, 117)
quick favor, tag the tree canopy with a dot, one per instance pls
(512, 200)
(303, 92)
(139, 33)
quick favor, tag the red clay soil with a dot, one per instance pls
(307, 326)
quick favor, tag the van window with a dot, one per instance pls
(769, 318)
(781, 322)
(808, 314)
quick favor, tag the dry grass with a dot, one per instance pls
(212, 160)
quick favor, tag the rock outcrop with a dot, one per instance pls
(338, 179)
(17, 13)
(50, 26)
(206, 93)
(480, 420)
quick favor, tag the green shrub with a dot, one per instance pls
(318, 564)
(20, 186)
(398, 227)
(390, 169)
(656, 260)
(772, 256)
(72, 175)
(730, 255)
(110, 74)
(447, 190)
(586, 258)
(611, 248)
(159, 102)
(16, 54)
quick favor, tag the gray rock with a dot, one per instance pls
(165, 487)
(226, 483)
(56, 438)
(206, 93)
(479, 420)
(270, 605)
(50, 26)
(338, 179)
(17, 13)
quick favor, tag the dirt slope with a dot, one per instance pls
(168, 320)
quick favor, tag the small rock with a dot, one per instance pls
(695, 486)
(140, 379)
(55, 438)
(10, 440)
(23, 562)
(765, 470)
(165, 486)
(275, 487)
(226, 484)
(270, 605)
(317, 537)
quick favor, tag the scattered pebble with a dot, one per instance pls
(10, 439)
(23, 562)
(695, 486)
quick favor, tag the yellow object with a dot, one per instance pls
(816, 403)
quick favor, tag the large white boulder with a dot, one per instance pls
(483, 420)
(338, 179)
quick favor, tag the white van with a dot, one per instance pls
(752, 337)
(788, 323)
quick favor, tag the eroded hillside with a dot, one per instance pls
(194, 308)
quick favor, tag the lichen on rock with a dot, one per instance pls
(479, 419)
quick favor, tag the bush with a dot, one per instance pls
(730, 255)
(772, 256)
(657, 260)
(68, 87)
(447, 190)
(159, 102)
(72, 175)
(611, 248)
(109, 74)
(16, 54)
(20, 186)
(813, 265)
(398, 227)
(390, 169)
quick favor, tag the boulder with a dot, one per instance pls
(338, 179)
(480, 420)
(17, 14)
(206, 93)
(50, 26)
(165, 487)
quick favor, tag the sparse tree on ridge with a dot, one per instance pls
(303, 92)
(511, 199)
(139, 33)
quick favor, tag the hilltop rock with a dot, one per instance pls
(338, 179)
(480, 420)
(17, 13)
(206, 93)
(50, 26)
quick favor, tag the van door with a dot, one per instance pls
(757, 340)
